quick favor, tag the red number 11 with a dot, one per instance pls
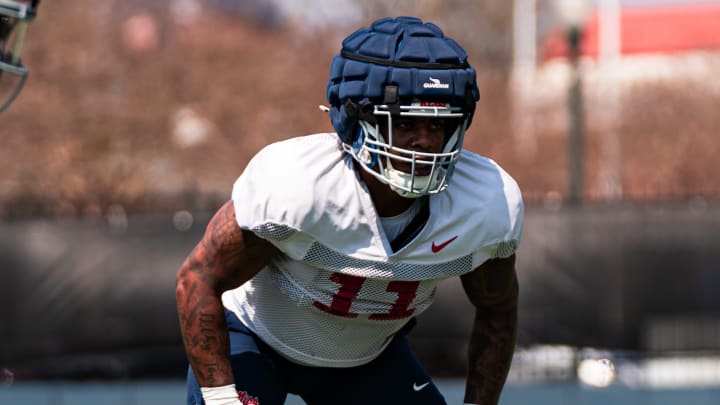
(350, 287)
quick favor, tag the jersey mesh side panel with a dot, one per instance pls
(274, 231)
(506, 248)
(321, 256)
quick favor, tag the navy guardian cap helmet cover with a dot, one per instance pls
(393, 68)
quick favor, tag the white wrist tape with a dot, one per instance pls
(225, 395)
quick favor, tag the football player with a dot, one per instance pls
(309, 279)
(15, 15)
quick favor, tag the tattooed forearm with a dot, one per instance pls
(204, 334)
(225, 258)
(211, 342)
(492, 341)
(490, 352)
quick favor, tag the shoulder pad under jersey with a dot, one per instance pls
(482, 206)
(302, 184)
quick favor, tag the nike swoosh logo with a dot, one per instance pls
(419, 387)
(437, 248)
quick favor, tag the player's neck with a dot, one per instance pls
(387, 202)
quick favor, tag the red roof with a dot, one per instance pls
(658, 29)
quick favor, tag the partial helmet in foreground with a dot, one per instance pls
(15, 15)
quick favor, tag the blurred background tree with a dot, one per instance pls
(157, 105)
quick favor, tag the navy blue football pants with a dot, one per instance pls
(395, 377)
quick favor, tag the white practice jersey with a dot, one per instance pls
(338, 293)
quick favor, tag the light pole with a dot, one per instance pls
(523, 76)
(574, 14)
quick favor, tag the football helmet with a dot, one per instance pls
(14, 18)
(401, 67)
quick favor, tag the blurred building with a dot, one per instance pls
(647, 71)
(668, 29)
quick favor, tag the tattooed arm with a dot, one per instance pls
(493, 290)
(225, 258)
